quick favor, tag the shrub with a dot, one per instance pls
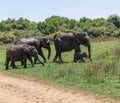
(27, 33)
(7, 38)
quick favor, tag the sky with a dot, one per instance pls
(39, 10)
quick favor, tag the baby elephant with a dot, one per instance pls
(20, 52)
(78, 57)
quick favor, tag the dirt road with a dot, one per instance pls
(17, 90)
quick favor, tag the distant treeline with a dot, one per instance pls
(11, 29)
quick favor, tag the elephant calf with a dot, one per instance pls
(20, 52)
(78, 57)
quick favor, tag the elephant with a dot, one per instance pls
(78, 56)
(20, 52)
(38, 43)
(68, 41)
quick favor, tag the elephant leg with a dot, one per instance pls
(74, 59)
(42, 55)
(21, 62)
(60, 58)
(7, 67)
(24, 63)
(35, 60)
(40, 62)
(7, 63)
(13, 64)
(55, 58)
(31, 61)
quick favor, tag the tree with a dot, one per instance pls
(72, 23)
(85, 23)
(56, 21)
(5, 27)
(23, 24)
(115, 19)
(98, 22)
(45, 28)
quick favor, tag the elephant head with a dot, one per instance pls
(31, 50)
(45, 43)
(84, 39)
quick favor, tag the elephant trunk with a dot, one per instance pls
(89, 51)
(49, 52)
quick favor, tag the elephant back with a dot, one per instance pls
(14, 53)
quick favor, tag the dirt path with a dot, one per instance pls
(16, 90)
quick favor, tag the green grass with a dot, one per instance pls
(101, 76)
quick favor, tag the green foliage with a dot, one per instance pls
(26, 33)
(85, 23)
(96, 32)
(98, 27)
(7, 37)
(4, 27)
(115, 19)
(45, 28)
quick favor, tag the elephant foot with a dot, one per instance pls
(90, 59)
(60, 61)
(54, 60)
(14, 67)
(74, 60)
(7, 68)
(25, 66)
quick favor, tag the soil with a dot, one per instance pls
(19, 90)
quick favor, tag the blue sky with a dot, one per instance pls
(39, 10)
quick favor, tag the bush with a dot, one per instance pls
(7, 38)
(27, 33)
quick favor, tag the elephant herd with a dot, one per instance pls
(26, 48)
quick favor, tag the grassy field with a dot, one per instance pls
(101, 75)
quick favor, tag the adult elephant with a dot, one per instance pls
(20, 52)
(69, 41)
(38, 43)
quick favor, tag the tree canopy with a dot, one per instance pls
(99, 27)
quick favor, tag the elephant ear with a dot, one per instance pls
(84, 35)
(28, 50)
(43, 41)
(80, 36)
(76, 39)
(31, 51)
